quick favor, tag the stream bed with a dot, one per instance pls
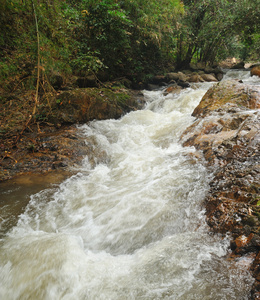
(132, 227)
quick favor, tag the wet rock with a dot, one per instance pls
(183, 84)
(239, 65)
(217, 70)
(83, 105)
(255, 269)
(182, 77)
(196, 78)
(229, 92)
(172, 76)
(209, 77)
(209, 69)
(178, 77)
(174, 88)
(228, 63)
(163, 84)
(151, 87)
(242, 243)
(219, 76)
(158, 79)
(226, 131)
(255, 71)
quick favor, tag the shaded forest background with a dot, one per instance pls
(51, 49)
(110, 39)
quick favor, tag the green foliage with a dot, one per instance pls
(154, 32)
(247, 26)
(254, 53)
(18, 41)
(7, 69)
(212, 30)
(107, 31)
(129, 38)
(87, 63)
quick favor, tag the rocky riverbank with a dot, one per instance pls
(226, 130)
(49, 141)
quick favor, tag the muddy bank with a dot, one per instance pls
(226, 130)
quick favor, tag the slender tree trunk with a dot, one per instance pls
(38, 60)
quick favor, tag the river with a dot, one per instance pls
(132, 227)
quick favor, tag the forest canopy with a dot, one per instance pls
(122, 38)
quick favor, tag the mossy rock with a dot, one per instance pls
(83, 105)
(228, 91)
(255, 71)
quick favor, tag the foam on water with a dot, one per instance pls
(133, 227)
(243, 75)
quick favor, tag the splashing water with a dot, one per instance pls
(132, 227)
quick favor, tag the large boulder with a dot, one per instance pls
(180, 76)
(172, 89)
(196, 78)
(209, 70)
(231, 92)
(209, 77)
(239, 65)
(255, 71)
(219, 76)
(232, 63)
(172, 76)
(83, 105)
(158, 79)
(217, 70)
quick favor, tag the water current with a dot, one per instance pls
(132, 227)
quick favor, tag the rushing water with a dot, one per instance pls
(132, 227)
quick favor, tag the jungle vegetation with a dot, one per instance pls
(131, 38)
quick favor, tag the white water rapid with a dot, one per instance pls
(132, 227)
